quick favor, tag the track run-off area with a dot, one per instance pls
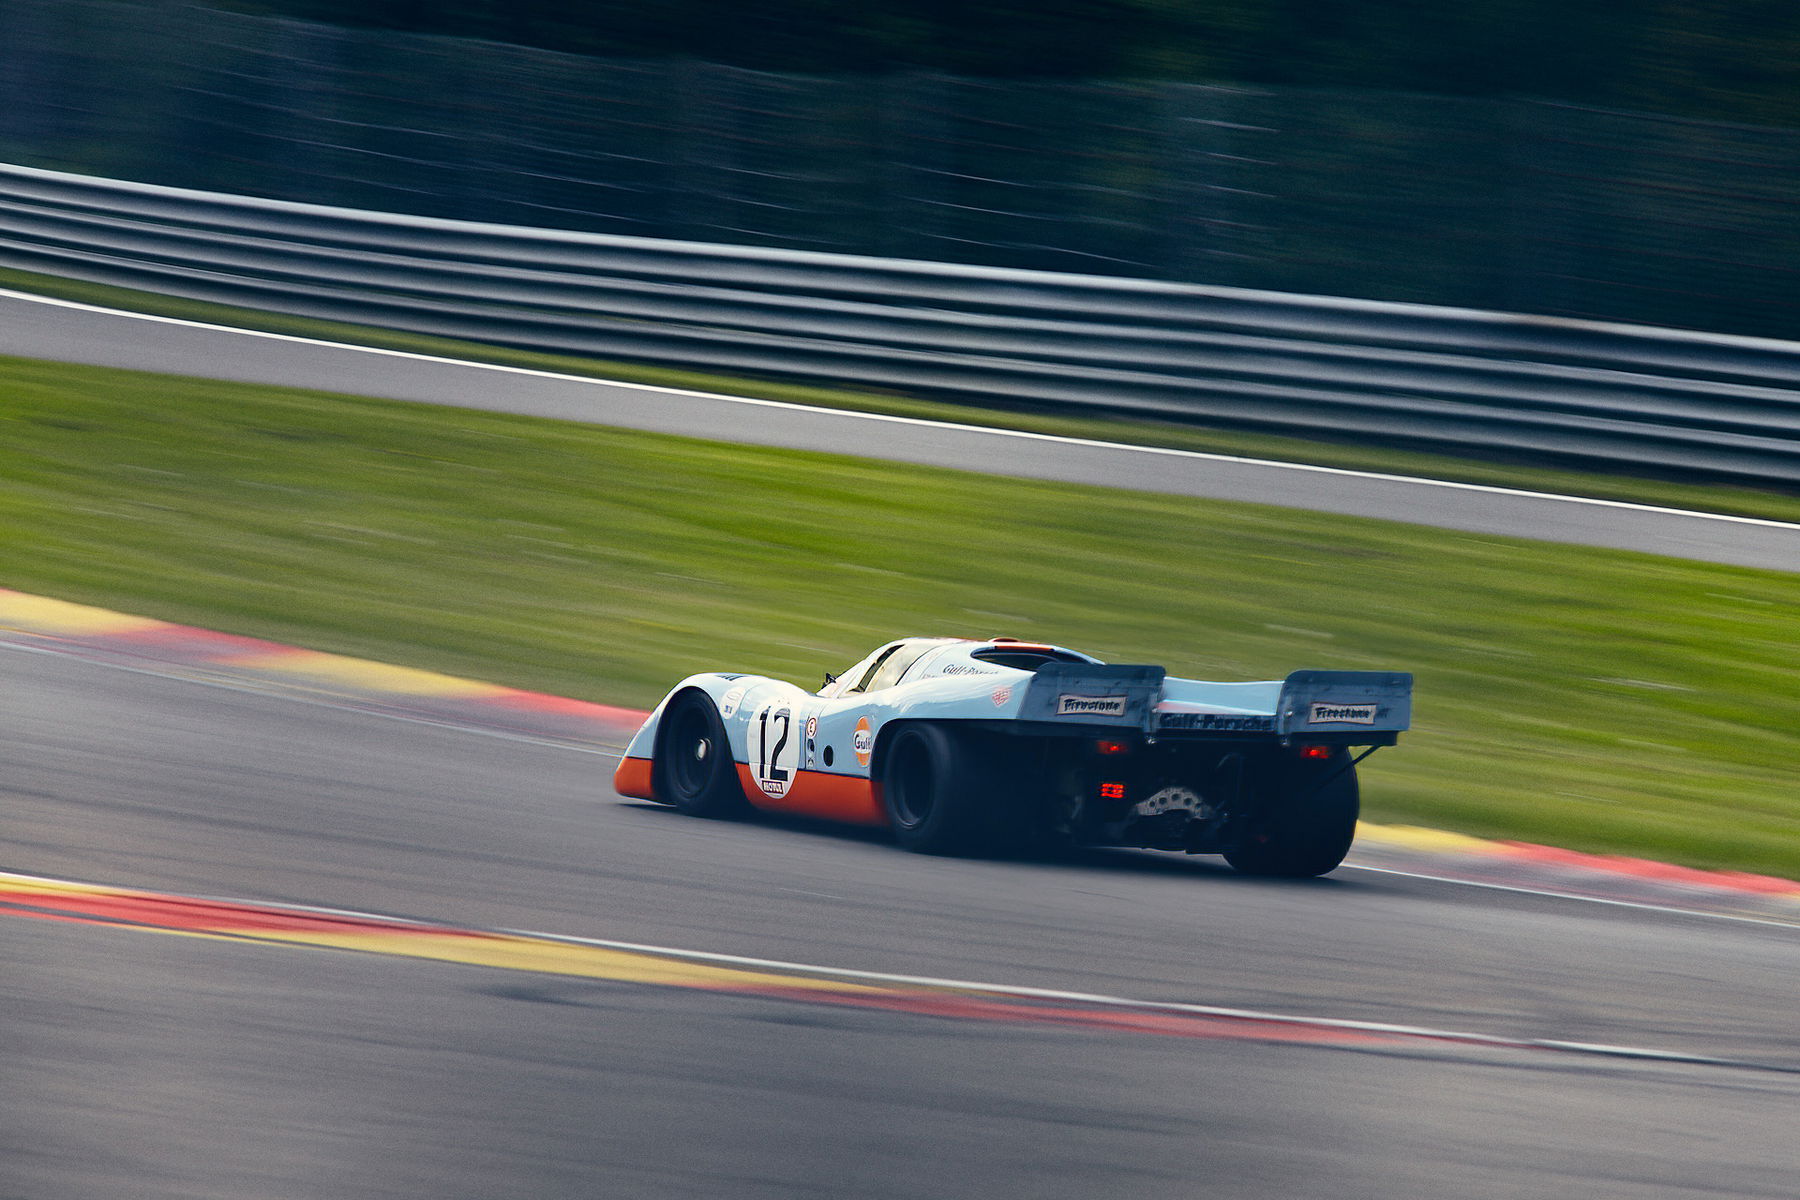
(278, 924)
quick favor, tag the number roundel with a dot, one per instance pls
(774, 749)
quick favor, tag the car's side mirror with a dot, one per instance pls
(829, 680)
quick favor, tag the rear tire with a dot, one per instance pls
(942, 793)
(1307, 822)
(694, 769)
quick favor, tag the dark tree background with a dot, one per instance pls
(1733, 60)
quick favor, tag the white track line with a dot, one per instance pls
(853, 414)
(1553, 894)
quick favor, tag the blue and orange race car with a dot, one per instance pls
(967, 747)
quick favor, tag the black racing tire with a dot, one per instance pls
(940, 791)
(1306, 823)
(693, 768)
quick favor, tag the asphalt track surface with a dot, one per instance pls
(33, 327)
(145, 1065)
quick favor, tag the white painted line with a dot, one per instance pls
(854, 414)
(1553, 894)
(1101, 1000)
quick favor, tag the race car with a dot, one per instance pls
(964, 746)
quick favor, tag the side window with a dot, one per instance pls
(894, 665)
(863, 681)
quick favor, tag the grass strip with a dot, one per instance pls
(1594, 699)
(1741, 501)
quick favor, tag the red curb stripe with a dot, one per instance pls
(199, 642)
(178, 912)
(1113, 1020)
(564, 706)
(1644, 868)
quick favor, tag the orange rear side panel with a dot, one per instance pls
(819, 794)
(633, 779)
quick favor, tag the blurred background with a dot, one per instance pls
(1637, 163)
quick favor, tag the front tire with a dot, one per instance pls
(940, 792)
(694, 769)
(1307, 821)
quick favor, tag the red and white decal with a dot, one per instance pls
(1001, 696)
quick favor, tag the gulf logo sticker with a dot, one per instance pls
(863, 741)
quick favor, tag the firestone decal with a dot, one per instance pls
(1342, 714)
(863, 741)
(728, 703)
(1090, 706)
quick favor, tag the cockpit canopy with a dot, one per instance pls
(923, 657)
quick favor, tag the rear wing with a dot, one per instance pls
(1356, 708)
(1369, 706)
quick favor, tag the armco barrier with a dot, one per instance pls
(1657, 399)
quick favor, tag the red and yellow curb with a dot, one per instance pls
(26, 896)
(1618, 866)
(81, 628)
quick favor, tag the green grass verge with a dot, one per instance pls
(1735, 500)
(1587, 698)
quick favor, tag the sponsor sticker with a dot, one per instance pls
(728, 703)
(1001, 696)
(1216, 723)
(812, 728)
(1342, 714)
(1090, 706)
(863, 741)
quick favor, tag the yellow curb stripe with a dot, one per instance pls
(40, 614)
(362, 673)
(35, 885)
(1416, 837)
(542, 956)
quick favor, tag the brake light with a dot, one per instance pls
(1111, 747)
(1315, 752)
(1112, 791)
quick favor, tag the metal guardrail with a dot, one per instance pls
(1638, 397)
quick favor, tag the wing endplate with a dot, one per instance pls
(1376, 702)
(1092, 694)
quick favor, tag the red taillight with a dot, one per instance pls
(1112, 791)
(1315, 752)
(1113, 747)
